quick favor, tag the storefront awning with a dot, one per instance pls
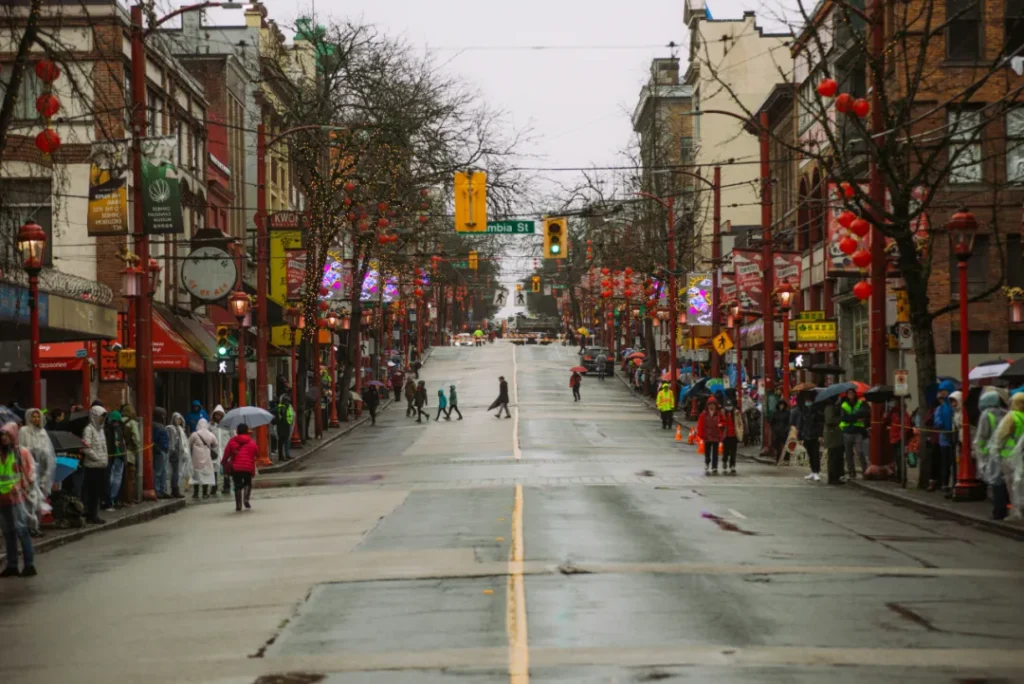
(171, 351)
(64, 356)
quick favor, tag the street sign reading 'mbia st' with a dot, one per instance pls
(511, 227)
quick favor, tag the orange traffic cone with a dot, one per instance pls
(692, 438)
(679, 433)
(700, 446)
(720, 450)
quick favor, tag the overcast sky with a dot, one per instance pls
(575, 95)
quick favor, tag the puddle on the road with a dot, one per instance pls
(726, 525)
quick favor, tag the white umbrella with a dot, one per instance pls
(253, 416)
(988, 369)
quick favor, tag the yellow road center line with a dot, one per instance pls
(515, 616)
(516, 451)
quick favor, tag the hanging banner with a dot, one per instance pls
(161, 194)
(727, 288)
(108, 189)
(295, 272)
(788, 267)
(747, 274)
(698, 299)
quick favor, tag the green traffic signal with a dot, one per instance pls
(222, 350)
(556, 248)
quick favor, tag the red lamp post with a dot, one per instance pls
(962, 228)
(238, 305)
(293, 316)
(332, 324)
(31, 243)
(784, 298)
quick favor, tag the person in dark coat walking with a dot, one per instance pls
(574, 382)
(809, 423)
(421, 401)
(410, 398)
(453, 402)
(371, 400)
(396, 385)
(503, 399)
(780, 429)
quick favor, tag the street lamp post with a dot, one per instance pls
(784, 297)
(31, 243)
(293, 316)
(332, 324)
(669, 205)
(962, 228)
(238, 304)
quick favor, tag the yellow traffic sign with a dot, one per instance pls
(723, 343)
(471, 202)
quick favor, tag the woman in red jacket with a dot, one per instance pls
(711, 429)
(240, 457)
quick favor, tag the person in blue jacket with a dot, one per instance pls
(161, 453)
(195, 415)
(943, 422)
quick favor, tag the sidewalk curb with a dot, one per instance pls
(48, 543)
(994, 526)
(295, 461)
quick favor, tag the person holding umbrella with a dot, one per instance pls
(575, 380)
(855, 413)
(240, 460)
(371, 400)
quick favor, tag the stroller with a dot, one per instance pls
(752, 426)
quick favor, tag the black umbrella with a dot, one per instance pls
(879, 394)
(1014, 372)
(65, 441)
(827, 369)
(833, 391)
(77, 422)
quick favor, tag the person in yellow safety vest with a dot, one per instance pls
(666, 405)
(16, 467)
(853, 424)
(1008, 440)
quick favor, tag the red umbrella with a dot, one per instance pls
(860, 386)
(638, 362)
(578, 369)
(667, 377)
(637, 355)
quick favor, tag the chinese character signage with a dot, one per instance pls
(815, 331)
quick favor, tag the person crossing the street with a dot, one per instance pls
(442, 406)
(453, 402)
(410, 397)
(502, 400)
(421, 401)
(575, 380)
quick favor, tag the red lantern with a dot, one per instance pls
(382, 207)
(827, 87)
(848, 245)
(861, 107)
(47, 71)
(860, 227)
(418, 292)
(323, 291)
(423, 218)
(589, 242)
(383, 223)
(382, 239)
(424, 192)
(862, 259)
(394, 237)
(352, 216)
(846, 218)
(628, 271)
(606, 283)
(324, 306)
(606, 294)
(843, 103)
(347, 201)
(350, 186)
(848, 190)
(862, 290)
(47, 105)
(363, 225)
(628, 293)
(48, 141)
(605, 271)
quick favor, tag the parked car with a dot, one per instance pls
(589, 356)
(463, 340)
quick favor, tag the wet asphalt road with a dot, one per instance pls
(571, 543)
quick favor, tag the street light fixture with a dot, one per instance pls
(963, 227)
(238, 305)
(31, 243)
(784, 299)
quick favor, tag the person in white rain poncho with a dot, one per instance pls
(1008, 445)
(202, 448)
(33, 437)
(223, 436)
(992, 405)
(179, 455)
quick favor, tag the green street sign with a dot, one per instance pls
(460, 264)
(511, 227)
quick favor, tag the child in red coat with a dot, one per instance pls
(711, 428)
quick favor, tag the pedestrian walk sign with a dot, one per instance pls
(723, 343)
(500, 297)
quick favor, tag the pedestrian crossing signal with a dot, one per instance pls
(554, 238)
(536, 283)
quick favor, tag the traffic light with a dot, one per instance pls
(536, 283)
(519, 287)
(222, 340)
(554, 238)
(473, 262)
(471, 202)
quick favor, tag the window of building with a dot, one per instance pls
(1016, 342)
(977, 341)
(861, 342)
(808, 99)
(963, 29)
(965, 145)
(197, 152)
(1014, 257)
(1013, 23)
(686, 150)
(24, 200)
(1015, 144)
(31, 88)
(154, 113)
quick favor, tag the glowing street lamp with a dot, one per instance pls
(31, 243)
